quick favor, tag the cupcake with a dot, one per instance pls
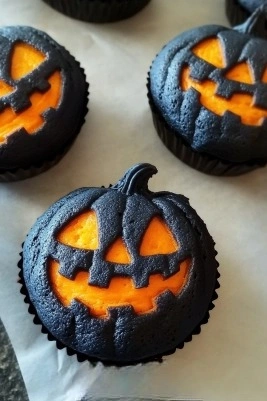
(238, 11)
(208, 96)
(98, 10)
(120, 274)
(43, 98)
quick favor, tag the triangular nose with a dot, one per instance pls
(118, 253)
(241, 72)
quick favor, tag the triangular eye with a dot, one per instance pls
(241, 72)
(5, 89)
(118, 253)
(81, 232)
(158, 239)
(210, 50)
(24, 59)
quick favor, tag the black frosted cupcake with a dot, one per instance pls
(98, 10)
(238, 11)
(208, 95)
(120, 274)
(43, 102)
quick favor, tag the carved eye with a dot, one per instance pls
(210, 50)
(158, 239)
(24, 59)
(81, 232)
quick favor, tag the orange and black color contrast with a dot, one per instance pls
(209, 85)
(38, 81)
(120, 274)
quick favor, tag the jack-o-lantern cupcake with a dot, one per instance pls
(208, 95)
(43, 102)
(120, 274)
(98, 10)
(238, 11)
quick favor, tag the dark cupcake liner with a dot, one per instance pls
(197, 160)
(235, 12)
(98, 10)
(31, 171)
(22, 173)
(82, 357)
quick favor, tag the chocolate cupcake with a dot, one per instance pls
(43, 102)
(120, 274)
(98, 10)
(208, 96)
(239, 11)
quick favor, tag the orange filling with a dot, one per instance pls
(24, 60)
(211, 50)
(239, 104)
(81, 232)
(121, 291)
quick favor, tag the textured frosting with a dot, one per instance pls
(62, 120)
(225, 136)
(123, 335)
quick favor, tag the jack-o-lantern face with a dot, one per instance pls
(240, 103)
(38, 80)
(24, 60)
(122, 289)
(212, 90)
(127, 273)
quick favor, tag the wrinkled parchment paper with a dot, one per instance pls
(228, 360)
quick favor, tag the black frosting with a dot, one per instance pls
(124, 336)
(62, 124)
(222, 137)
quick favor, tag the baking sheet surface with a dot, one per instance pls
(228, 360)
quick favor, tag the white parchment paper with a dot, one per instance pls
(228, 360)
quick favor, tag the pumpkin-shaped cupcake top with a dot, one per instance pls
(210, 86)
(43, 97)
(120, 274)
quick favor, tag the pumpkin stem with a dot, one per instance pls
(135, 180)
(255, 24)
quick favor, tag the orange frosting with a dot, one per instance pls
(241, 104)
(121, 291)
(82, 233)
(211, 51)
(25, 59)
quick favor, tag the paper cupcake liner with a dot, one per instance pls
(199, 161)
(98, 10)
(82, 357)
(235, 13)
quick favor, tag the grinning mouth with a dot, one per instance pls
(239, 103)
(31, 118)
(121, 291)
